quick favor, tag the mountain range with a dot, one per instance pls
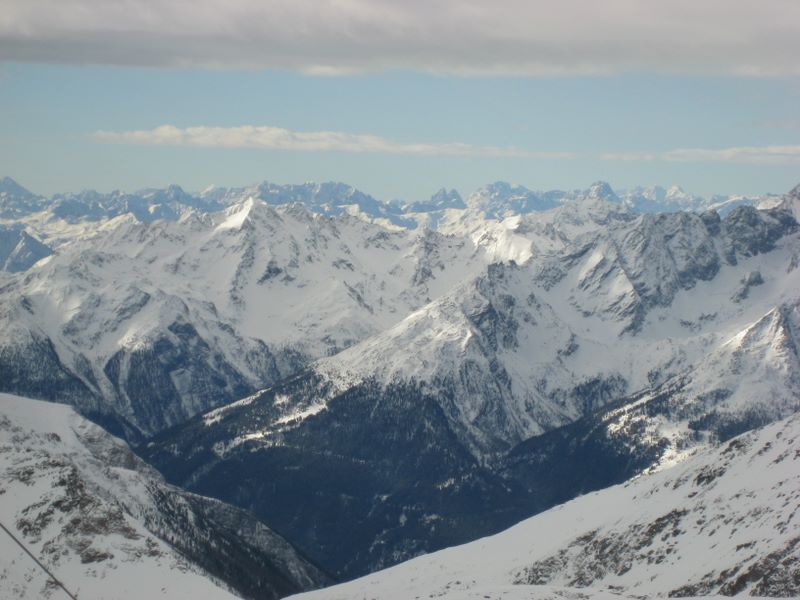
(496, 200)
(637, 339)
(373, 381)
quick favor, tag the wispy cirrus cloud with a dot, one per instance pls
(502, 37)
(277, 138)
(753, 155)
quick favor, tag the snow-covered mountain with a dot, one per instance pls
(18, 250)
(107, 526)
(659, 199)
(50, 216)
(329, 199)
(147, 323)
(63, 217)
(146, 205)
(723, 522)
(514, 343)
(441, 200)
(621, 342)
(429, 384)
(16, 201)
(500, 200)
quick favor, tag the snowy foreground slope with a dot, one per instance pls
(108, 527)
(724, 522)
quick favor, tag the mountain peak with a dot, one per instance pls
(500, 187)
(444, 193)
(243, 212)
(790, 202)
(600, 190)
(441, 200)
(12, 188)
(675, 190)
(171, 192)
(175, 189)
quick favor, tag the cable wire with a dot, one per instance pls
(39, 563)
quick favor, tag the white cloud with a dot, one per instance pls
(754, 155)
(276, 138)
(529, 37)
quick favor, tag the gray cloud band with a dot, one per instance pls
(523, 37)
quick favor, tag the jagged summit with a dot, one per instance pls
(494, 201)
(17, 202)
(12, 188)
(18, 250)
(675, 190)
(600, 190)
(441, 200)
(501, 199)
(173, 193)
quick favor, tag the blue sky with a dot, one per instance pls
(396, 128)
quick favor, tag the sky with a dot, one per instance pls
(400, 97)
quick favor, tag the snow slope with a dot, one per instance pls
(725, 521)
(108, 526)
